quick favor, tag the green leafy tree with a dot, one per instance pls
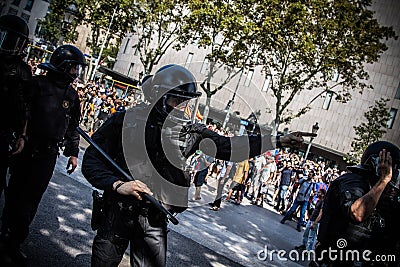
(53, 29)
(307, 43)
(224, 30)
(157, 27)
(98, 14)
(372, 130)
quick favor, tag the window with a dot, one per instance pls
(25, 17)
(136, 51)
(328, 99)
(12, 11)
(249, 77)
(267, 82)
(397, 96)
(204, 66)
(189, 59)
(130, 70)
(393, 113)
(126, 45)
(29, 5)
(16, 2)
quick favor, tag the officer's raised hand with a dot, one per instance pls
(72, 162)
(134, 188)
(385, 166)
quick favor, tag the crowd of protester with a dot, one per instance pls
(294, 187)
(33, 63)
(98, 103)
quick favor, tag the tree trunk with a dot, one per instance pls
(277, 120)
(206, 108)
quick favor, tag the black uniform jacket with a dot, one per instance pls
(15, 77)
(55, 113)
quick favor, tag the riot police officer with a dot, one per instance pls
(152, 142)
(15, 75)
(55, 114)
(361, 212)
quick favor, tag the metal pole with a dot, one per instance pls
(230, 103)
(103, 44)
(308, 150)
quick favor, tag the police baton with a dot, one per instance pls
(157, 204)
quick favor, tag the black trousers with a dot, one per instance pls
(4, 160)
(30, 176)
(145, 229)
(218, 199)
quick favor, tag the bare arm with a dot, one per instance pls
(228, 171)
(317, 220)
(363, 207)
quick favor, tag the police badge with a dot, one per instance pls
(65, 104)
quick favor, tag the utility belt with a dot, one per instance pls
(44, 146)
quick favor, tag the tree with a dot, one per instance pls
(223, 28)
(97, 15)
(52, 27)
(307, 43)
(157, 26)
(370, 131)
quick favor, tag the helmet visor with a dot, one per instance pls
(77, 71)
(80, 71)
(11, 43)
(181, 109)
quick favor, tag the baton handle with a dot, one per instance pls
(151, 199)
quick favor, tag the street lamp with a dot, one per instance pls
(69, 16)
(102, 45)
(314, 130)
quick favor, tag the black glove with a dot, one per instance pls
(195, 128)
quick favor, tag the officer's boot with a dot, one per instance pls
(10, 252)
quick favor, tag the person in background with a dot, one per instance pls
(222, 179)
(55, 115)
(307, 187)
(287, 174)
(15, 76)
(203, 162)
(311, 231)
(237, 184)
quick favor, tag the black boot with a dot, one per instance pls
(10, 252)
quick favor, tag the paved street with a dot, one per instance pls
(61, 235)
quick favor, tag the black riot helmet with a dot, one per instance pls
(370, 159)
(172, 84)
(14, 34)
(63, 59)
